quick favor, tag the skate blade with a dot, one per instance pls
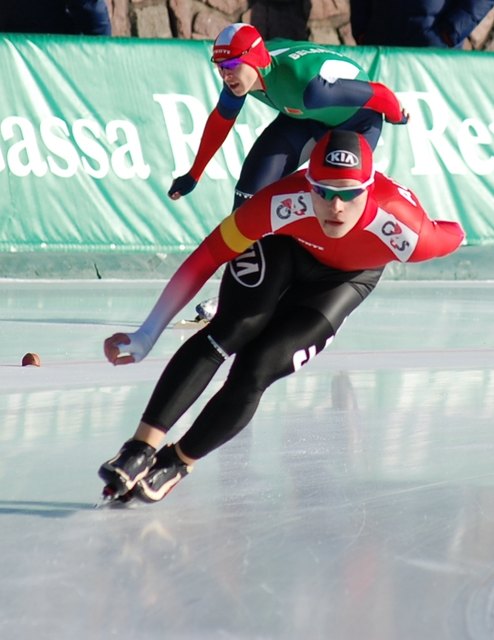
(190, 324)
(111, 499)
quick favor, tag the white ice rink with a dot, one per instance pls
(358, 505)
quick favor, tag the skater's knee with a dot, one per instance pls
(231, 335)
(254, 373)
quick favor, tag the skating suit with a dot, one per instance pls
(312, 84)
(286, 291)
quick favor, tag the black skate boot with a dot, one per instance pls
(130, 465)
(165, 474)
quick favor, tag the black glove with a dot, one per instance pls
(404, 118)
(183, 185)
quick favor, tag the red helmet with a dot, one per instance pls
(340, 155)
(242, 41)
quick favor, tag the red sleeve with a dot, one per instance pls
(182, 287)
(228, 240)
(438, 238)
(223, 244)
(242, 228)
(194, 272)
(213, 136)
(416, 233)
(386, 102)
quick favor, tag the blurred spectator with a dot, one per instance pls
(73, 17)
(416, 23)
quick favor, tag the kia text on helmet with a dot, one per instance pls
(341, 158)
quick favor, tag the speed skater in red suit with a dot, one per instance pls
(313, 87)
(302, 255)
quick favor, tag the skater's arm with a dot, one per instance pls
(342, 92)
(433, 238)
(218, 126)
(231, 237)
(385, 101)
(125, 348)
(122, 348)
(438, 238)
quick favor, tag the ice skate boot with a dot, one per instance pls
(163, 476)
(131, 464)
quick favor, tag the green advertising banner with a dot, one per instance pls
(93, 130)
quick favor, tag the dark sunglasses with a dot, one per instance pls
(344, 193)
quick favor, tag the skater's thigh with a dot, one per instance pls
(368, 123)
(335, 296)
(280, 149)
(251, 287)
(284, 346)
(304, 323)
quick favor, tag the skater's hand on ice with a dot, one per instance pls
(112, 349)
(125, 348)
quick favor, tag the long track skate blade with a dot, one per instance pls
(110, 498)
(190, 324)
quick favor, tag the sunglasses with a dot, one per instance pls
(344, 193)
(229, 65)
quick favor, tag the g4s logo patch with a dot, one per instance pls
(288, 208)
(395, 234)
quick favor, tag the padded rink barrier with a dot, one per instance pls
(93, 130)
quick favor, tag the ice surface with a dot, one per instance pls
(358, 504)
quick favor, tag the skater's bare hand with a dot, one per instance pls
(115, 349)
(125, 348)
